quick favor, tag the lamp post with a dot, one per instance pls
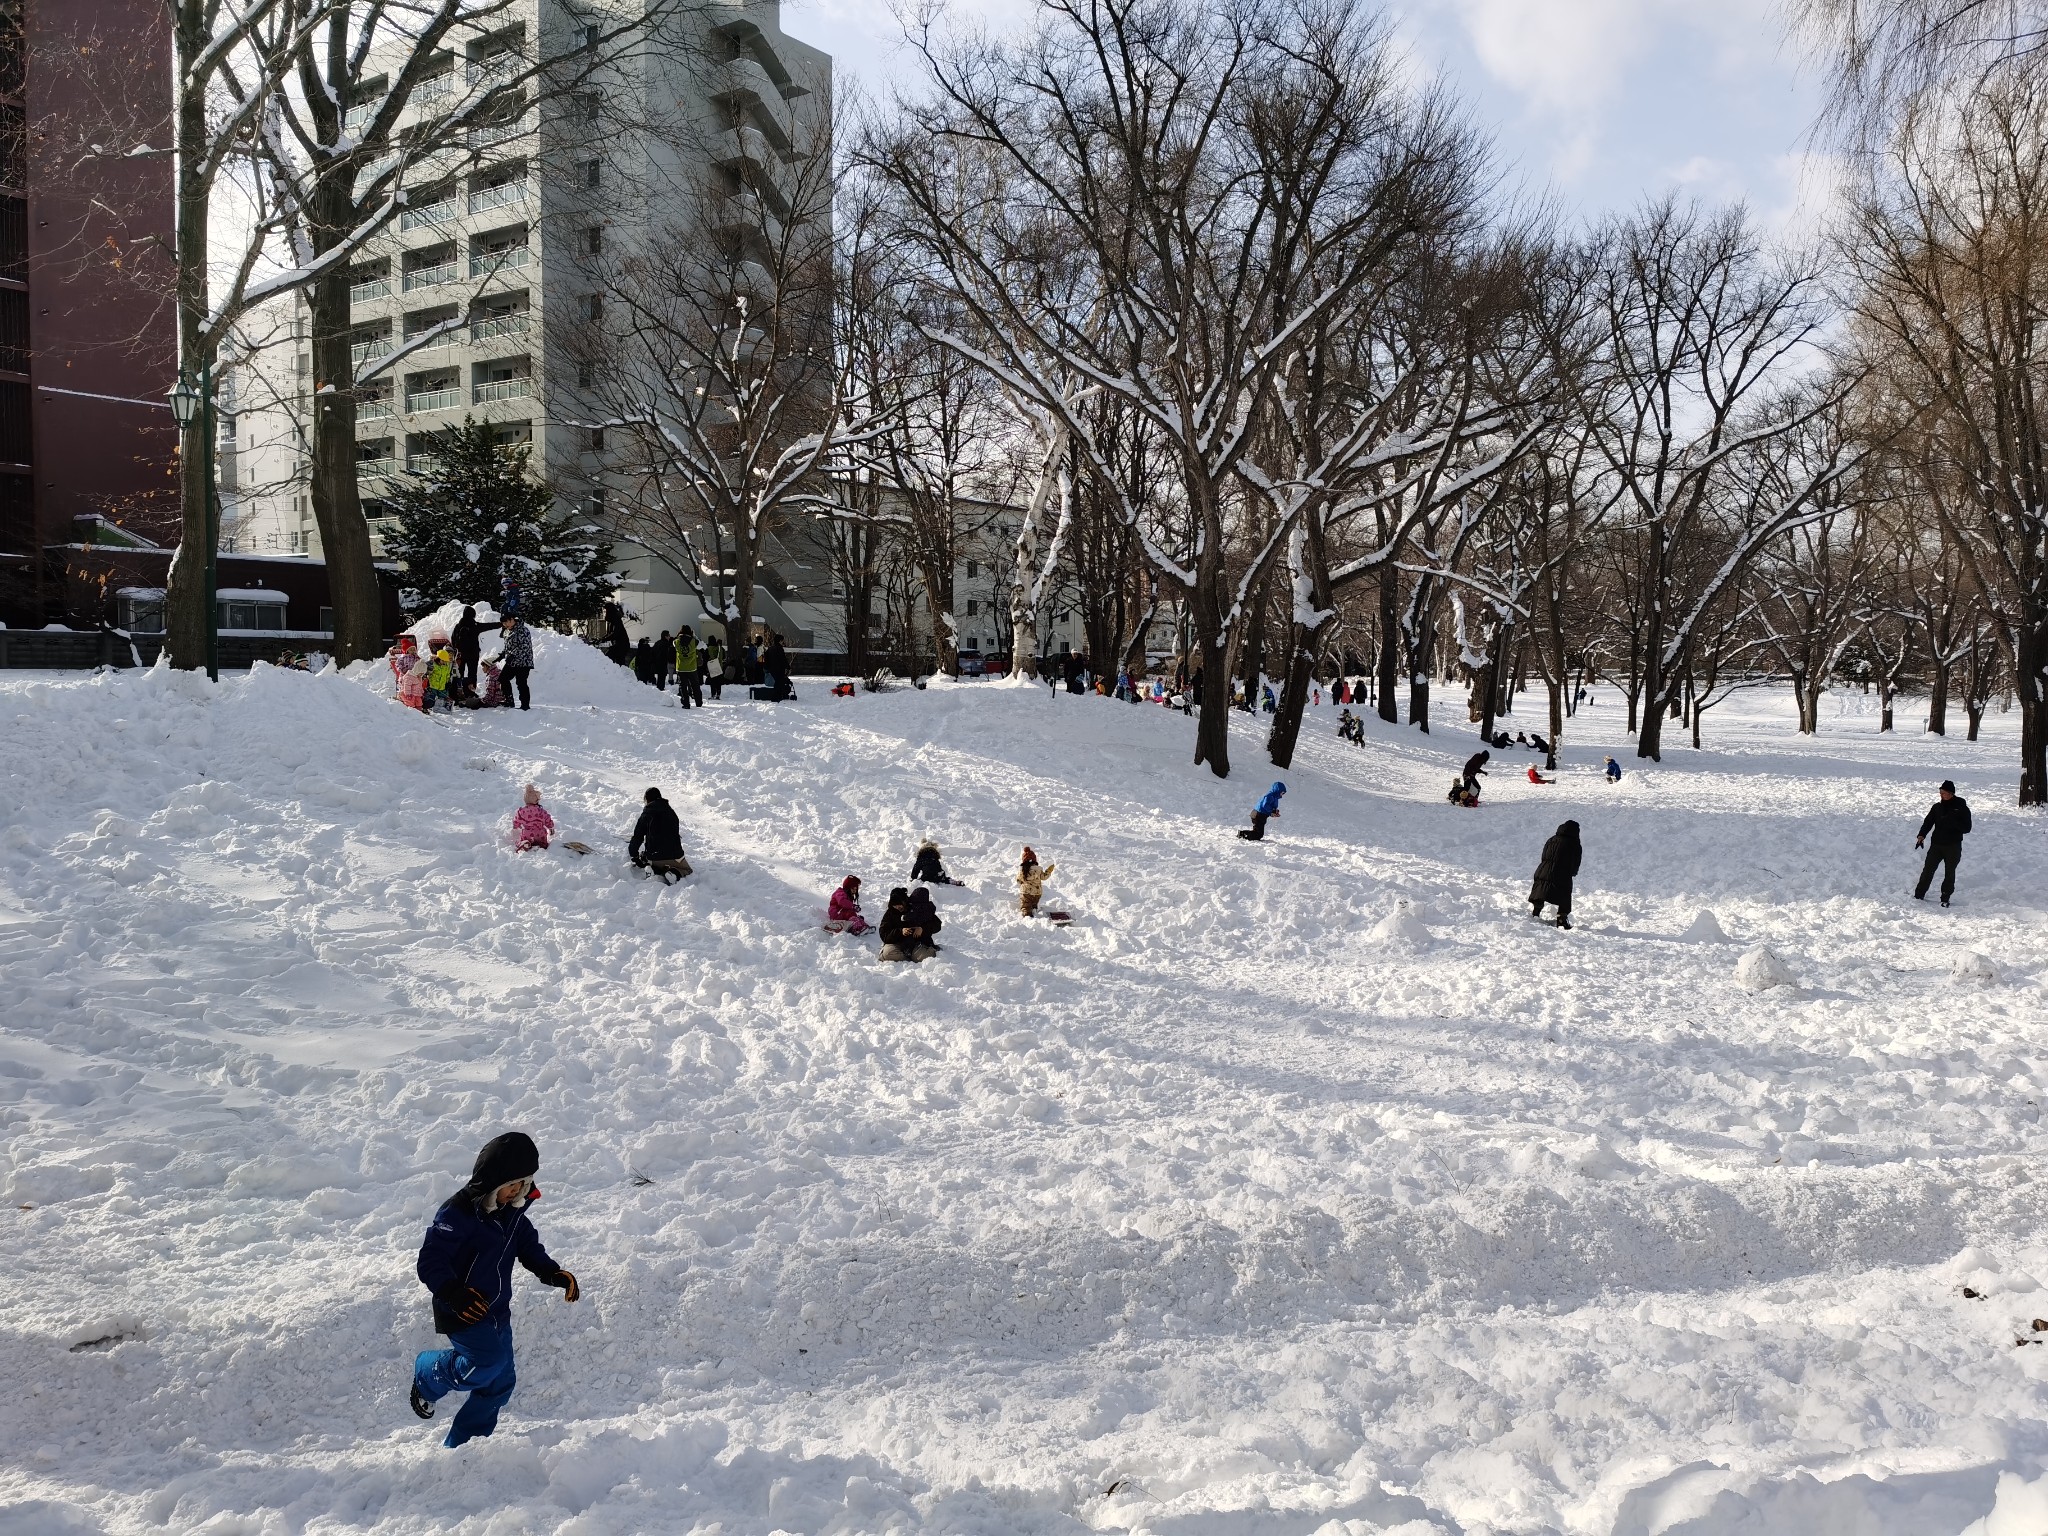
(190, 402)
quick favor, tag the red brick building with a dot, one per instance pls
(87, 334)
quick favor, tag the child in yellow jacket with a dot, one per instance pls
(1031, 880)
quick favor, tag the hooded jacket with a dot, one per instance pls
(657, 833)
(1031, 879)
(471, 1248)
(1558, 866)
(1270, 805)
(920, 913)
(926, 866)
(1476, 763)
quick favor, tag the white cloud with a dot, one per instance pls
(1562, 57)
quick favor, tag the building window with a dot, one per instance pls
(593, 240)
(973, 606)
(596, 439)
(593, 171)
(973, 570)
(239, 614)
(593, 306)
(586, 375)
(326, 620)
(590, 33)
(142, 612)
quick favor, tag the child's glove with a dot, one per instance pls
(561, 1277)
(465, 1303)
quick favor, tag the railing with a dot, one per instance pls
(435, 88)
(431, 213)
(431, 277)
(484, 262)
(423, 464)
(487, 198)
(497, 325)
(434, 399)
(375, 469)
(499, 66)
(375, 288)
(497, 133)
(501, 389)
(362, 351)
(373, 410)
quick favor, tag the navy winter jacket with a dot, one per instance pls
(466, 1247)
(1270, 806)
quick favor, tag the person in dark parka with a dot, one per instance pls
(1475, 765)
(1942, 831)
(1555, 872)
(657, 841)
(466, 1263)
(468, 640)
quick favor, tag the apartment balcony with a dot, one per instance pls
(747, 149)
(423, 464)
(484, 263)
(497, 133)
(376, 469)
(743, 215)
(498, 325)
(501, 196)
(430, 215)
(501, 389)
(374, 410)
(363, 351)
(434, 399)
(375, 288)
(359, 118)
(431, 277)
(434, 91)
(499, 66)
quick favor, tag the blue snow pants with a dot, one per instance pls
(478, 1361)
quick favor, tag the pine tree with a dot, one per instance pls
(480, 516)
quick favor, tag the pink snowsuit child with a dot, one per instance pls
(408, 667)
(843, 914)
(531, 825)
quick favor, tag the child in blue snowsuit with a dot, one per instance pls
(1269, 805)
(466, 1261)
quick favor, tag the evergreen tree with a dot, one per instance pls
(480, 516)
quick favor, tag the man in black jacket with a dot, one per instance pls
(469, 645)
(1475, 765)
(658, 840)
(1942, 833)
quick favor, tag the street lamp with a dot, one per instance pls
(189, 403)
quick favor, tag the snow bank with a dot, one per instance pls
(1240, 1205)
(1968, 965)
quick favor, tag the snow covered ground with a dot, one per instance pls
(1306, 1187)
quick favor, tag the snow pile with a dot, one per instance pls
(1968, 965)
(1230, 1208)
(1407, 922)
(1760, 969)
(1706, 928)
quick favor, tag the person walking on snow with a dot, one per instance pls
(1475, 765)
(657, 841)
(1555, 872)
(515, 656)
(532, 826)
(1268, 806)
(466, 1263)
(688, 687)
(714, 666)
(842, 915)
(1942, 832)
(1031, 878)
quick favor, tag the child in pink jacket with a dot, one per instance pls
(843, 914)
(532, 826)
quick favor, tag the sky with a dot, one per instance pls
(1596, 104)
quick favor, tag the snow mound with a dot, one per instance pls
(1706, 929)
(1761, 969)
(1968, 965)
(1406, 923)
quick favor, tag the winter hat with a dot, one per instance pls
(532, 797)
(1029, 856)
(1279, 788)
(898, 895)
(651, 796)
(1949, 785)
(850, 884)
(503, 1159)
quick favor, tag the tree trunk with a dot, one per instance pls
(1286, 732)
(1556, 687)
(1418, 674)
(1212, 724)
(185, 616)
(2028, 658)
(1888, 691)
(1389, 673)
(1252, 649)
(1806, 688)
(337, 505)
(1656, 689)
(1937, 699)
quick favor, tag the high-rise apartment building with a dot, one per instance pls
(502, 250)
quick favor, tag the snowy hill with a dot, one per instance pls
(1298, 1187)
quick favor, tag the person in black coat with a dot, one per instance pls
(465, 1262)
(468, 640)
(1475, 765)
(643, 660)
(1942, 832)
(657, 842)
(775, 662)
(1555, 872)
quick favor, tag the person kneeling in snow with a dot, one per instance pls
(1463, 792)
(532, 826)
(927, 866)
(909, 926)
(1268, 806)
(657, 841)
(466, 1262)
(1031, 880)
(1537, 778)
(843, 913)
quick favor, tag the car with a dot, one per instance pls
(970, 663)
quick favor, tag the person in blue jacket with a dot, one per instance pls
(1268, 806)
(466, 1262)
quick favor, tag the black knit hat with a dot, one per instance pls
(503, 1159)
(1949, 785)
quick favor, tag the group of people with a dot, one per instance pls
(445, 674)
(695, 665)
(910, 923)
